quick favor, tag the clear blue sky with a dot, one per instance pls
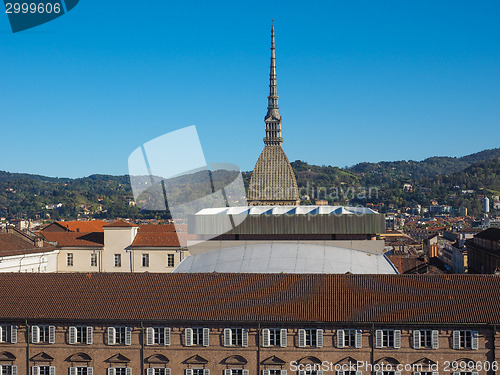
(358, 81)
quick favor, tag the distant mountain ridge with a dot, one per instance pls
(105, 196)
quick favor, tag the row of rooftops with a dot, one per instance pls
(91, 233)
(292, 298)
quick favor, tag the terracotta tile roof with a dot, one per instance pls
(83, 226)
(251, 297)
(72, 239)
(119, 224)
(161, 236)
(11, 245)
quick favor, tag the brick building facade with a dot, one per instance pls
(126, 324)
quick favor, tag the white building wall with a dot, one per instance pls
(34, 262)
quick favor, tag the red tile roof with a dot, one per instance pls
(72, 239)
(119, 224)
(83, 226)
(161, 236)
(251, 297)
(11, 245)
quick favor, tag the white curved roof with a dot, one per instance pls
(287, 210)
(286, 258)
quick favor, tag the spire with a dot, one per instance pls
(273, 117)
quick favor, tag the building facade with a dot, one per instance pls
(129, 324)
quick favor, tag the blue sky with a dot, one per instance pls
(358, 81)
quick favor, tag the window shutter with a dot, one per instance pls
(167, 336)
(416, 373)
(111, 371)
(1, 334)
(283, 372)
(266, 372)
(150, 336)
(188, 337)
(227, 337)
(359, 372)
(397, 340)
(1, 369)
(340, 338)
(302, 338)
(283, 338)
(340, 372)
(456, 339)
(244, 339)
(435, 339)
(319, 338)
(90, 339)
(128, 371)
(72, 338)
(35, 370)
(52, 370)
(416, 339)
(111, 337)
(206, 336)
(167, 371)
(90, 370)
(128, 336)
(397, 372)
(475, 373)
(13, 369)
(319, 372)
(245, 372)
(150, 371)
(206, 371)
(435, 373)
(378, 342)
(475, 340)
(265, 339)
(52, 334)
(227, 372)
(456, 373)
(302, 372)
(379, 373)
(189, 371)
(358, 339)
(13, 334)
(35, 336)
(72, 371)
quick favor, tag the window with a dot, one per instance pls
(81, 370)
(93, 260)
(197, 371)
(273, 372)
(465, 340)
(158, 371)
(80, 335)
(426, 338)
(119, 336)
(118, 260)
(196, 336)
(119, 371)
(8, 333)
(349, 338)
(274, 337)
(157, 336)
(145, 260)
(388, 338)
(170, 260)
(311, 337)
(43, 334)
(69, 259)
(236, 372)
(235, 337)
(43, 370)
(8, 370)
